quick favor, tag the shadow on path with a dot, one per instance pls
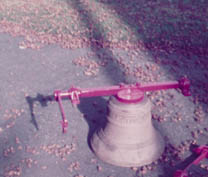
(43, 100)
(175, 34)
(96, 42)
(93, 109)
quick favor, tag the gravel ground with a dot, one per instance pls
(34, 62)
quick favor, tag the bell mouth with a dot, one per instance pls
(130, 95)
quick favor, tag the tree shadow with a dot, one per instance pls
(174, 33)
(96, 41)
(158, 23)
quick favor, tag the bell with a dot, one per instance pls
(129, 138)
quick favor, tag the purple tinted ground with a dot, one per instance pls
(32, 144)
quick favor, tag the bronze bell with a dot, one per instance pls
(129, 138)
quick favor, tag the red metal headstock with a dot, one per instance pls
(125, 93)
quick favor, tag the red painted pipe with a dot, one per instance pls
(125, 93)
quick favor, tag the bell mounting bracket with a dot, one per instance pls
(132, 93)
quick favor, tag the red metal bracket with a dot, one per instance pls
(202, 151)
(125, 93)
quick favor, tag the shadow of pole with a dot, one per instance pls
(94, 110)
(43, 100)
